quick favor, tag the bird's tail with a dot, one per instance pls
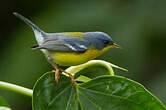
(39, 34)
(27, 21)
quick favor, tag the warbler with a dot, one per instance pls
(69, 48)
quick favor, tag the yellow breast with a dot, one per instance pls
(71, 59)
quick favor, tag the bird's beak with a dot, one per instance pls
(114, 45)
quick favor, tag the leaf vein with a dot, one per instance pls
(69, 100)
(112, 95)
(98, 106)
(57, 96)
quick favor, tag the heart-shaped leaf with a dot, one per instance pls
(3, 104)
(102, 93)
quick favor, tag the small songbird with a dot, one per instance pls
(69, 48)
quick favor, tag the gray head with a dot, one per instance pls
(100, 40)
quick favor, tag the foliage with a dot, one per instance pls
(102, 93)
(4, 105)
(95, 90)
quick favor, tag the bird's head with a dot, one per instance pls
(101, 40)
(107, 40)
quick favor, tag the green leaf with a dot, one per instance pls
(3, 104)
(102, 93)
(48, 95)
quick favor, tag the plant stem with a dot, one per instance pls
(107, 65)
(16, 88)
(75, 69)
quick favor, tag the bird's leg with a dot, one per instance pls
(70, 75)
(57, 70)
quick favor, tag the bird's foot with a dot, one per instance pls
(70, 75)
(61, 70)
(56, 75)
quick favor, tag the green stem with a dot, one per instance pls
(16, 88)
(75, 69)
(107, 65)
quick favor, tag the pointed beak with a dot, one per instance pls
(114, 45)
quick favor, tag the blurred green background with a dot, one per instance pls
(139, 26)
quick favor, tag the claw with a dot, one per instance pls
(57, 70)
(56, 75)
(70, 75)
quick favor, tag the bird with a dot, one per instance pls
(69, 48)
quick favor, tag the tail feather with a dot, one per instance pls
(27, 21)
(39, 34)
(35, 46)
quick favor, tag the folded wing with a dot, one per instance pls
(65, 44)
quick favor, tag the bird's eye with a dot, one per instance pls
(106, 42)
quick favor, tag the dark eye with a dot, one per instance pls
(106, 42)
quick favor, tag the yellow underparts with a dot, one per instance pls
(71, 58)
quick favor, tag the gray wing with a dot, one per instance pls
(65, 44)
